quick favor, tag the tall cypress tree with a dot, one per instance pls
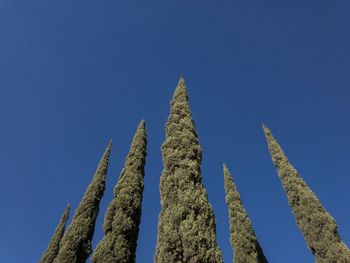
(53, 247)
(243, 239)
(186, 226)
(75, 246)
(318, 227)
(121, 224)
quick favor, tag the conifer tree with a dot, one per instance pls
(121, 224)
(75, 246)
(243, 239)
(53, 247)
(186, 226)
(318, 227)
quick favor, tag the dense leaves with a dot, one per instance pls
(121, 224)
(54, 245)
(75, 246)
(318, 227)
(186, 226)
(243, 239)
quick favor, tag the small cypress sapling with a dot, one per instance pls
(53, 247)
(317, 225)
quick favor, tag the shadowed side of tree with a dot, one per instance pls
(122, 219)
(186, 225)
(75, 246)
(243, 239)
(318, 227)
(53, 247)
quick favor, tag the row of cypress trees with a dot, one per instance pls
(186, 225)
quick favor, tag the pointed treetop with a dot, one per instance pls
(137, 152)
(275, 149)
(109, 147)
(53, 247)
(100, 173)
(122, 219)
(180, 117)
(226, 171)
(180, 93)
(186, 224)
(227, 178)
(317, 225)
(142, 125)
(66, 211)
(75, 245)
(103, 162)
(242, 236)
(181, 81)
(230, 185)
(267, 133)
(139, 139)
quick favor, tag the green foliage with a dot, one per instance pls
(186, 226)
(75, 246)
(53, 247)
(121, 224)
(318, 227)
(243, 239)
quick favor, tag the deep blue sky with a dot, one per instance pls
(75, 73)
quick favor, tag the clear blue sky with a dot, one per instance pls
(74, 74)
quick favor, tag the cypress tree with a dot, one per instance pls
(317, 225)
(53, 247)
(75, 246)
(243, 239)
(121, 224)
(186, 226)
